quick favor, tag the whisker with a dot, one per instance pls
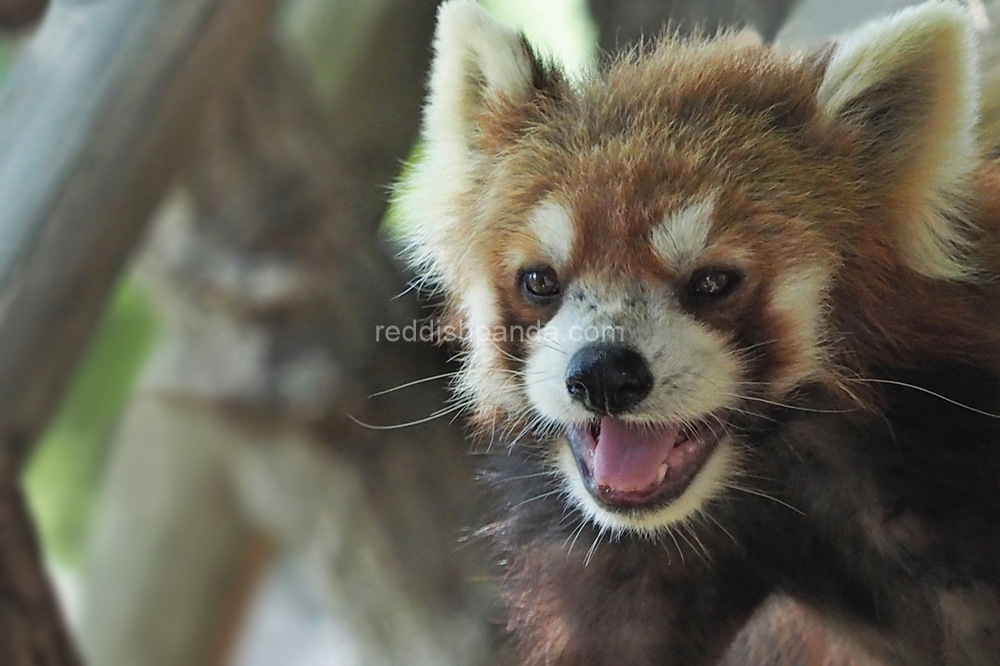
(691, 545)
(510, 479)
(694, 535)
(759, 344)
(397, 426)
(787, 406)
(719, 525)
(722, 424)
(541, 341)
(410, 286)
(413, 383)
(680, 551)
(505, 352)
(577, 533)
(764, 495)
(666, 547)
(593, 548)
(537, 497)
(518, 373)
(893, 382)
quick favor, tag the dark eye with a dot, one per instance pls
(713, 283)
(540, 285)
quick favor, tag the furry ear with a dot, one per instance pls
(909, 84)
(476, 59)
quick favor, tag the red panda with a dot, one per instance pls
(728, 320)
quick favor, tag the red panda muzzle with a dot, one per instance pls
(631, 464)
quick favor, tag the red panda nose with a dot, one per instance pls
(608, 379)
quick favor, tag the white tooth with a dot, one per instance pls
(662, 472)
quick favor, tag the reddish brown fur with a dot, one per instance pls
(793, 191)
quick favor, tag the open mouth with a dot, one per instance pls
(631, 465)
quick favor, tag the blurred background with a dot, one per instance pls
(195, 249)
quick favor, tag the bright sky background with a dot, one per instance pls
(558, 28)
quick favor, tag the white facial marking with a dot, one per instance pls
(552, 224)
(479, 378)
(800, 299)
(682, 236)
(476, 59)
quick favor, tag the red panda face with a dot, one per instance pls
(652, 301)
(644, 261)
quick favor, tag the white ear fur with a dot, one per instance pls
(918, 69)
(750, 36)
(476, 59)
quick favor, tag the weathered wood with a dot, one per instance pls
(165, 552)
(273, 293)
(95, 121)
(272, 280)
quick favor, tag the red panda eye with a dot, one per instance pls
(713, 283)
(540, 284)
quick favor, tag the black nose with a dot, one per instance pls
(608, 379)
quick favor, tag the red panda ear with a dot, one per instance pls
(909, 84)
(477, 59)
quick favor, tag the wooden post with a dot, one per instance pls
(96, 119)
(272, 284)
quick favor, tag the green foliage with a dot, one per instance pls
(5, 58)
(63, 478)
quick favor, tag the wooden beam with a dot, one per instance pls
(272, 282)
(96, 119)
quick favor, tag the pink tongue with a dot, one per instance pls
(628, 456)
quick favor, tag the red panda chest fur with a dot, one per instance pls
(727, 317)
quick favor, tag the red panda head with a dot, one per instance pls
(699, 231)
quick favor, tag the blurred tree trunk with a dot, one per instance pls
(623, 22)
(272, 279)
(157, 597)
(19, 14)
(369, 77)
(96, 117)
